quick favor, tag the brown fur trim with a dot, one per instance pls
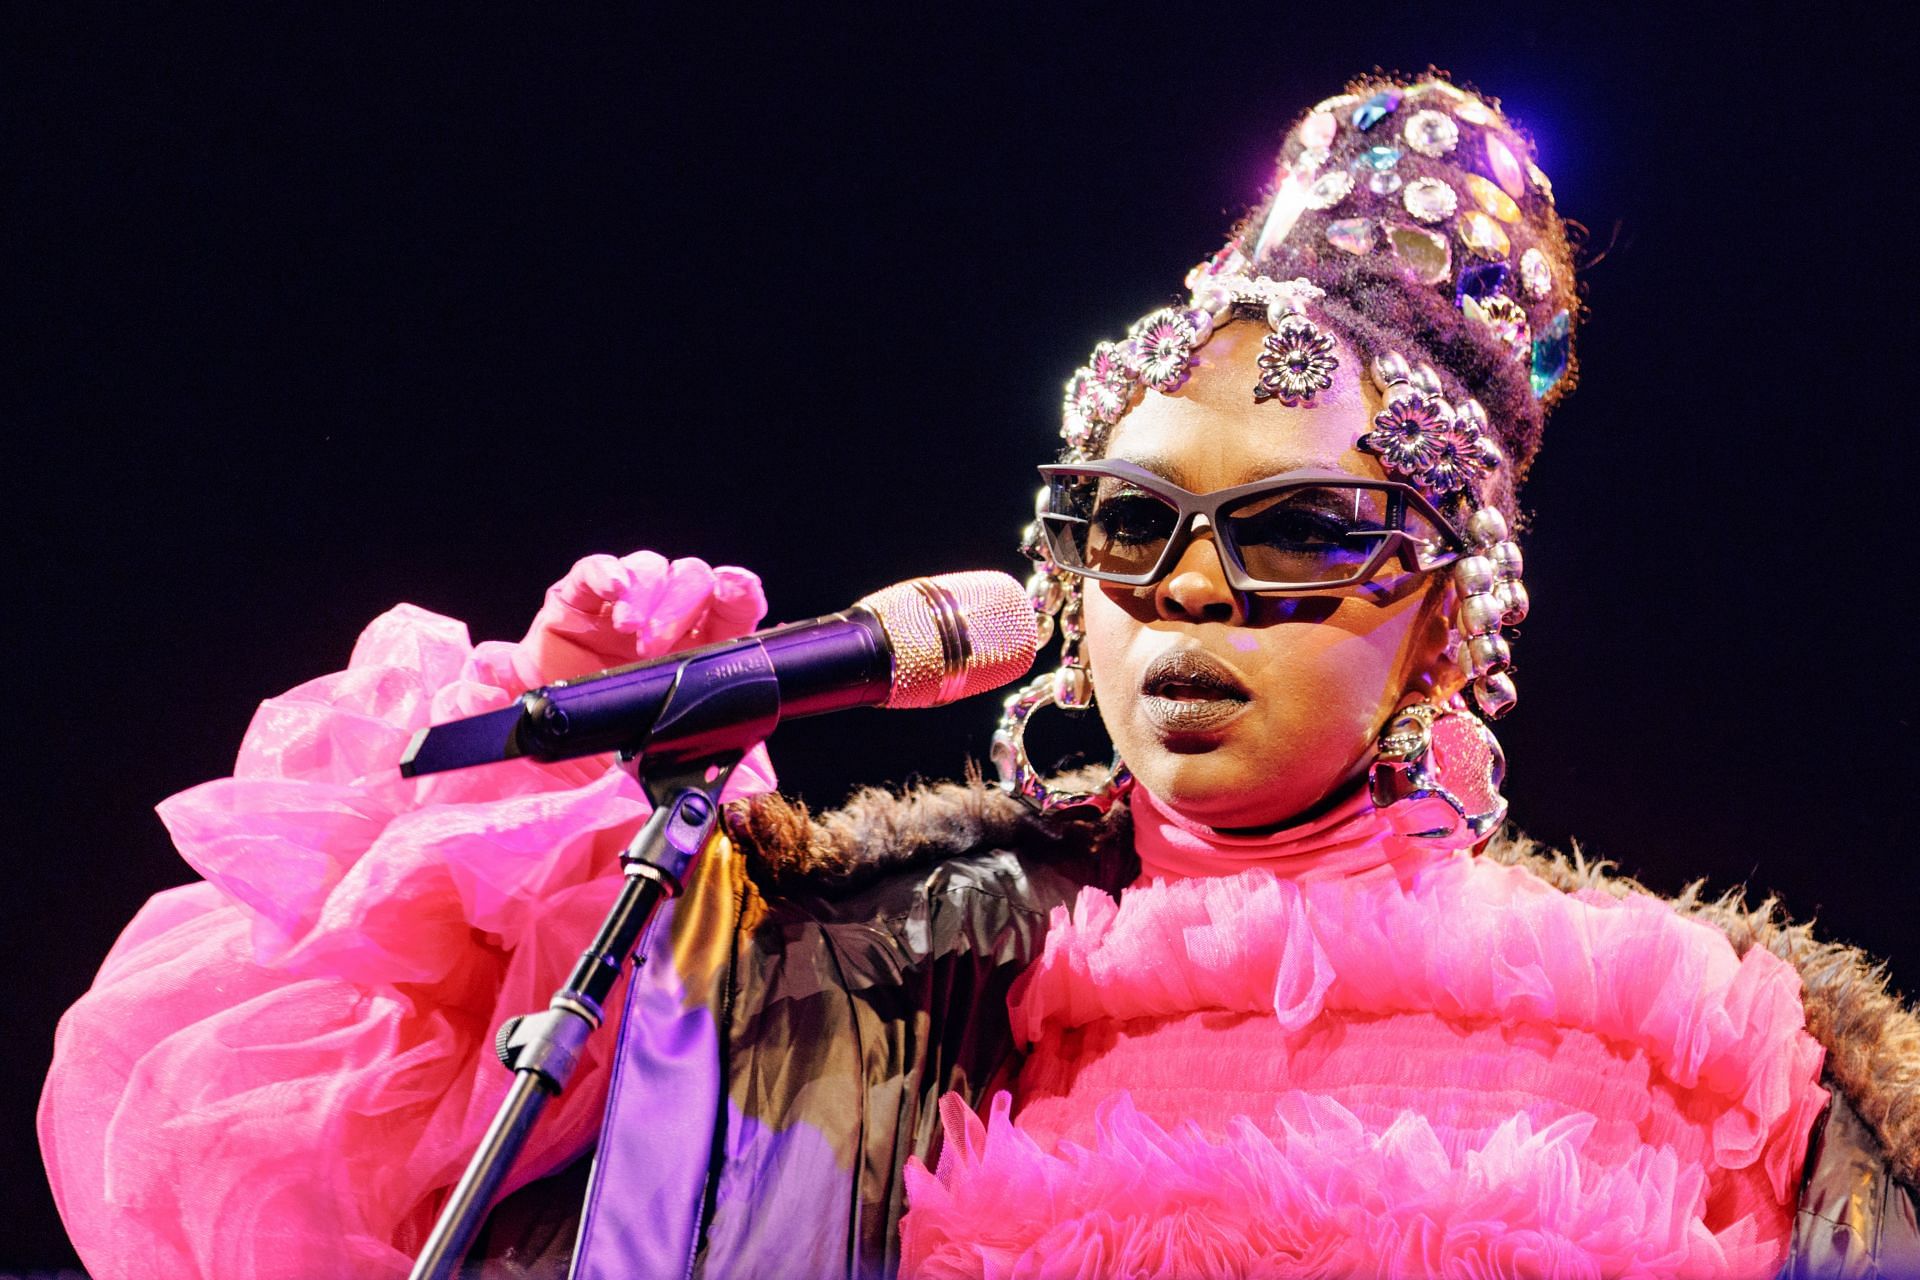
(1872, 1038)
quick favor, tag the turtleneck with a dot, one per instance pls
(1351, 839)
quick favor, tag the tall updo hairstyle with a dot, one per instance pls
(1413, 216)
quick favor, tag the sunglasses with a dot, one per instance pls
(1301, 531)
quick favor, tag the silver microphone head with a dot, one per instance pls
(954, 635)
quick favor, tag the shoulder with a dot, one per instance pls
(929, 832)
(1872, 1037)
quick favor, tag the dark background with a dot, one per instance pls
(307, 317)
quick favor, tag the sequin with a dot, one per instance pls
(1551, 351)
(1383, 184)
(1481, 280)
(1317, 129)
(1375, 109)
(1377, 159)
(1492, 198)
(1425, 252)
(1430, 199)
(1351, 235)
(1430, 132)
(1506, 168)
(1330, 189)
(1535, 273)
(1483, 235)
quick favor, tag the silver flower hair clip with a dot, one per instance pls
(1448, 452)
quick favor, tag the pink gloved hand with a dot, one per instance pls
(607, 612)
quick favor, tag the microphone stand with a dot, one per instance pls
(542, 1049)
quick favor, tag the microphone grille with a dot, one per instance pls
(954, 635)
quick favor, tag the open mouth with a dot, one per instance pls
(1188, 691)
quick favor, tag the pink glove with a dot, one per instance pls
(609, 612)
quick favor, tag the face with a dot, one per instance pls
(1244, 712)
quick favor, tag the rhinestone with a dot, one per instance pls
(1289, 201)
(1506, 169)
(1425, 252)
(1375, 109)
(1330, 190)
(1540, 180)
(1535, 274)
(1504, 317)
(1551, 351)
(1351, 235)
(1317, 129)
(1430, 132)
(1483, 235)
(1308, 162)
(1474, 111)
(1384, 184)
(1492, 198)
(1481, 280)
(1429, 199)
(1378, 159)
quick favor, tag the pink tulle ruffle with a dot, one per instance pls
(1464, 1068)
(279, 1072)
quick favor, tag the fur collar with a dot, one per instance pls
(1872, 1038)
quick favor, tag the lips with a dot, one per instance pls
(1189, 691)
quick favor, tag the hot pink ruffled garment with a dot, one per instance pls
(280, 1072)
(1444, 1068)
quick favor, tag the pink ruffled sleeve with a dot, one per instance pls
(281, 1070)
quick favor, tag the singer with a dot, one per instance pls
(1274, 994)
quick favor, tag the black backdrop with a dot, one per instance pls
(304, 318)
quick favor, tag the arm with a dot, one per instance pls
(280, 1070)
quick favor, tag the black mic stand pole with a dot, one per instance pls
(541, 1049)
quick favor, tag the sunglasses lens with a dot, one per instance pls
(1105, 526)
(1327, 533)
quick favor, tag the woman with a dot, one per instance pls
(1252, 1004)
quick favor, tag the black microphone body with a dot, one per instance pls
(914, 644)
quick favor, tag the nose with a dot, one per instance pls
(1195, 589)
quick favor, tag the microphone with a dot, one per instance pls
(921, 643)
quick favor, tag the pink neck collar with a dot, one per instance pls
(1351, 839)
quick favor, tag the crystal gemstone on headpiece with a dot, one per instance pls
(1351, 235)
(1506, 168)
(1429, 199)
(1492, 198)
(1551, 351)
(1329, 189)
(1483, 235)
(1535, 274)
(1505, 318)
(1383, 184)
(1375, 109)
(1378, 159)
(1425, 252)
(1318, 128)
(1474, 111)
(1430, 132)
(1481, 280)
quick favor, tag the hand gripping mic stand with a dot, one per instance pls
(542, 1049)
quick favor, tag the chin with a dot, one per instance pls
(1220, 789)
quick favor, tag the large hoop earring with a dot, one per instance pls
(1056, 597)
(1020, 778)
(1443, 754)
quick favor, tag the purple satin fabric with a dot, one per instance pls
(643, 1204)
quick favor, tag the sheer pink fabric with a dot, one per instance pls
(280, 1071)
(1461, 1071)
